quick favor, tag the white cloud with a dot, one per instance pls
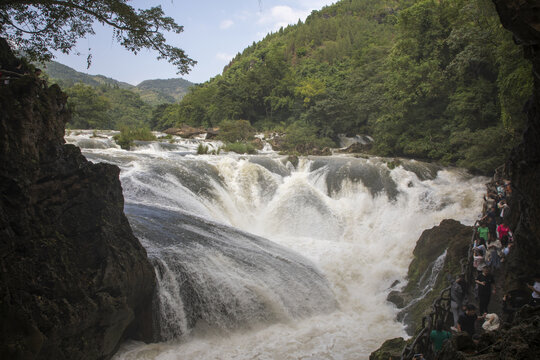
(225, 24)
(316, 4)
(224, 56)
(281, 15)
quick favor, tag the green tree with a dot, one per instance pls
(235, 130)
(303, 138)
(89, 108)
(35, 27)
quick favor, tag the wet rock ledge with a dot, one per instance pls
(74, 281)
(436, 261)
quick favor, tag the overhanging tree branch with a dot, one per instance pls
(36, 27)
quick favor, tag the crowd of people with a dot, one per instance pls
(492, 243)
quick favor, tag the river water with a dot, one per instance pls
(259, 259)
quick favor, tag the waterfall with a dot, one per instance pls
(257, 258)
(215, 276)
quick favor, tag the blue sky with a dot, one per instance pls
(214, 31)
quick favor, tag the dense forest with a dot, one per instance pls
(439, 80)
(436, 80)
(99, 102)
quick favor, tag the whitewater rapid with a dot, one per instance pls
(346, 226)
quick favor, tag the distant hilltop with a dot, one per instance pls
(153, 92)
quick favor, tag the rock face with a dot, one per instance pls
(391, 349)
(424, 285)
(523, 167)
(516, 341)
(187, 131)
(73, 277)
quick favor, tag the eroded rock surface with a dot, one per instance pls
(424, 283)
(74, 280)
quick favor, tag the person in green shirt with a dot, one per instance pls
(483, 231)
(439, 336)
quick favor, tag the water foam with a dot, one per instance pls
(355, 219)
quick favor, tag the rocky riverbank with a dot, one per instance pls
(74, 280)
(436, 261)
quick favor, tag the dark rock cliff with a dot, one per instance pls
(523, 167)
(74, 281)
(424, 281)
(518, 340)
(424, 284)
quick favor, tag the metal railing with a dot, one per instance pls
(422, 341)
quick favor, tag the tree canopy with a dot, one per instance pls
(428, 79)
(37, 27)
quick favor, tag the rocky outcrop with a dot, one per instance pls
(389, 350)
(187, 131)
(429, 272)
(518, 340)
(523, 167)
(74, 280)
(357, 148)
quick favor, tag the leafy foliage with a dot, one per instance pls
(202, 149)
(173, 88)
(438, 80)
(240, 148)
(434, 79)
(236, 130)
(90, 109)
(35, 27)
(302, 138)
(106, 107)
(152, 92)
(128, 135)
(448, 81)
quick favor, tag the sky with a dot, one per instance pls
(214, 32)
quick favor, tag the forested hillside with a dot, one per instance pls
(439, 80)
(99, 102)
(174, 88)
(67, 77)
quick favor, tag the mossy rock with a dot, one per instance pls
(293, 159)
(393, 164)
(390, 349)
(449, 235)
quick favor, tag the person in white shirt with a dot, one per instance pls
(535, 291)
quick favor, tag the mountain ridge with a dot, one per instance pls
(151, 91)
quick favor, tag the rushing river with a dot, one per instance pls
(259, 259)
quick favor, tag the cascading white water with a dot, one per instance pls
(292, 262)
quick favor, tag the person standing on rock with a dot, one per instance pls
(483, 230)
(456, 298)
(485, 288)
(491, 221)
